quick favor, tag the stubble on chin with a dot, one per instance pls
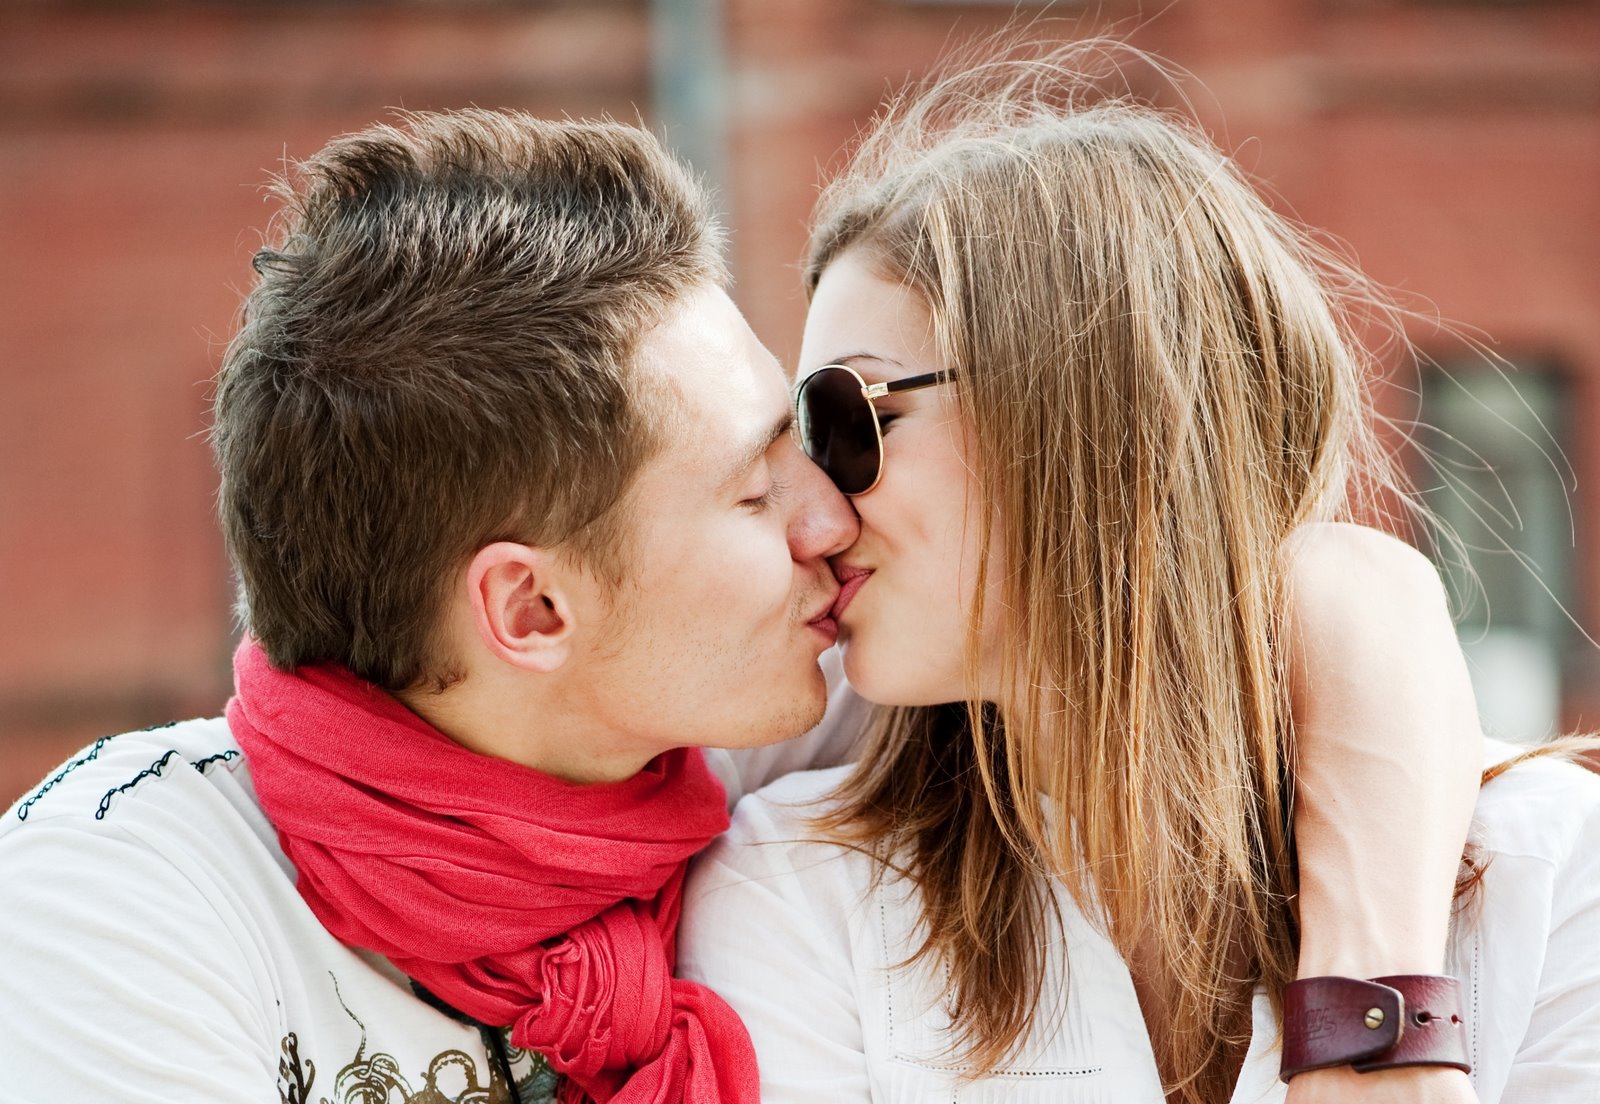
(801, 721)
(802, 714)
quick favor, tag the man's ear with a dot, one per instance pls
(519, 605)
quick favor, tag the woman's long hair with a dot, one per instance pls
(1163, 381)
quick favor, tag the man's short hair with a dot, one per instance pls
(437, 357)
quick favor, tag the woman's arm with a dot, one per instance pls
(1389, 755)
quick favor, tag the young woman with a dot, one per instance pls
(1113, 390)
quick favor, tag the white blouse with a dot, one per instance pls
(791, 932)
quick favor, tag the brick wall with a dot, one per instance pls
(1456, 147)
(133, 147)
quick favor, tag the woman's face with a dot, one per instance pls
(903, 629)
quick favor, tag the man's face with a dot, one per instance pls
(714, 635)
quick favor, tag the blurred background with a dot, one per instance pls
(1454, 145)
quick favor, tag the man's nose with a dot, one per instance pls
(823, 522)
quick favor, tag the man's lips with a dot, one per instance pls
(851, 579)
(824, 622)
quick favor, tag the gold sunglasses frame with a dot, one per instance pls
(869, 392)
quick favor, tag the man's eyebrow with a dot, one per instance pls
(758, 449)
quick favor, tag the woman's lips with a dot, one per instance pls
(851, 579)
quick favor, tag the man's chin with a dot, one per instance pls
(801, 717)
(798, 723)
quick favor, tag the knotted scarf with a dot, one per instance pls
(520, 899)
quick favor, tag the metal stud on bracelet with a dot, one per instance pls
(1377, 1024)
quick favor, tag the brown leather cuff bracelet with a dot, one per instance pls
(1384, 1023)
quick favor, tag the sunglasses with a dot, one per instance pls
(838, 426)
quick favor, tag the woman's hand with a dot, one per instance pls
(1389, 754)
(1416, 1085)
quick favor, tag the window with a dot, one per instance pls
(1500, 479)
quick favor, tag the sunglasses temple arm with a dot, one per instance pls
(910, 383)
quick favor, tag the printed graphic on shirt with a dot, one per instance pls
(23, 807)
(154, 770)
(452, 1077)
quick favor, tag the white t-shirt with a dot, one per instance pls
(154, 949)
(791, 932)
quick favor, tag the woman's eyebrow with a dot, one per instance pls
(852, 360)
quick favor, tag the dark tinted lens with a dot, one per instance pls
(837, 429)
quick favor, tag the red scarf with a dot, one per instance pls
(517, 898)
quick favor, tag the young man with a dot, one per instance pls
(519, 529)
(492, 439)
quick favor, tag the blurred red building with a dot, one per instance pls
(1453, 144)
